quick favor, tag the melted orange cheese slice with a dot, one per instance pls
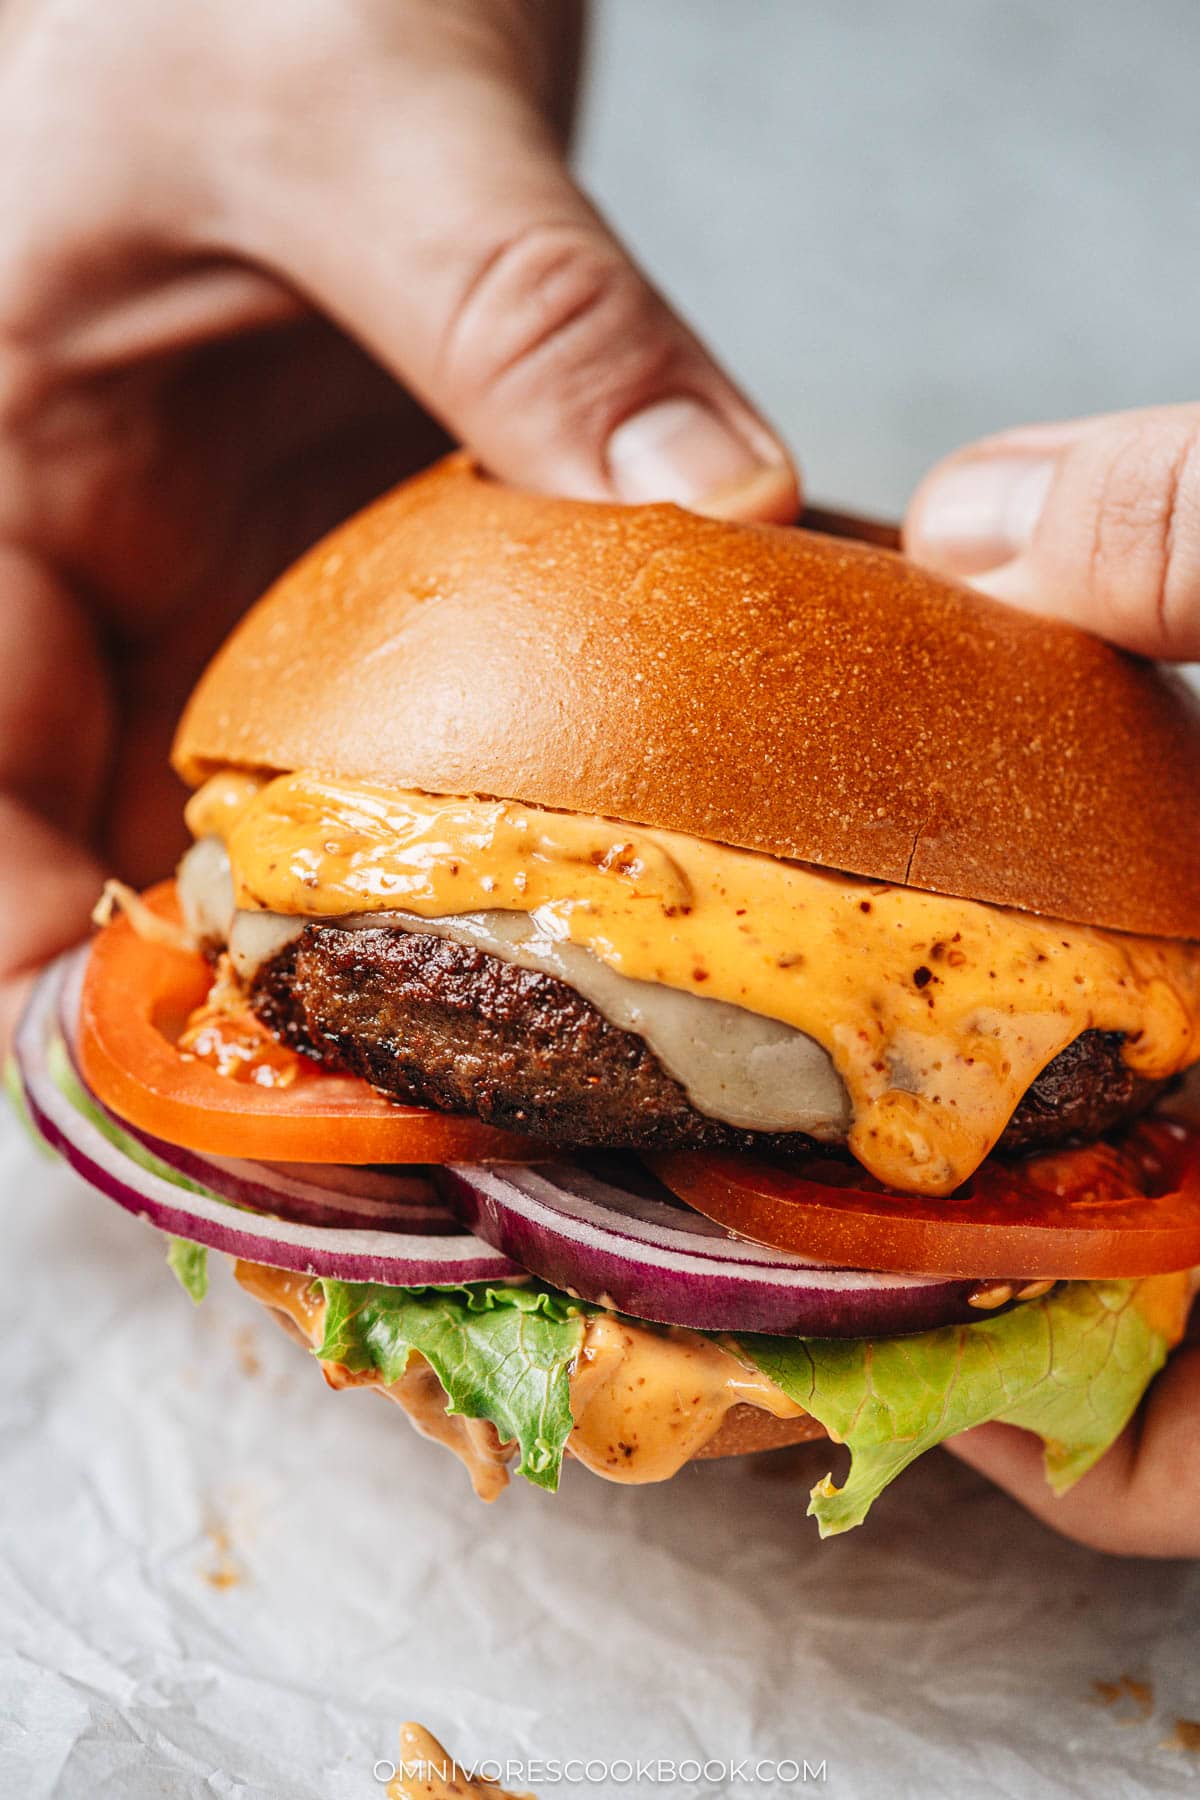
(937, 1013)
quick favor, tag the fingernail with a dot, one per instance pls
(768, 496)
(983, 513)
(678, 450)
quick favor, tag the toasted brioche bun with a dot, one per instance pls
(761, 686)
(747, 1429)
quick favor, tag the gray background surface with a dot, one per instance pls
(905, 226)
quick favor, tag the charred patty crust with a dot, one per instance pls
(439, 1024)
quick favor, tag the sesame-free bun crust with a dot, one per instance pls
(747, 1429)
(758, 685)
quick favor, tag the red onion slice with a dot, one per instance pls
(658, 1260)
(608, 1235)
(394, 1257)
(288, 1191)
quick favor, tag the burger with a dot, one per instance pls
(646, 988)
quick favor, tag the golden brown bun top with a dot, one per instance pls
(758, 685)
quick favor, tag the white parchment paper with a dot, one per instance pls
(218, 1578)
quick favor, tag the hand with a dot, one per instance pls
(1141, 1499)
(1097, 522)
(251, 253)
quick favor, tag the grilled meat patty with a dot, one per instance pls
(435, 1023)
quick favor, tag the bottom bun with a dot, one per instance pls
(746, 1429)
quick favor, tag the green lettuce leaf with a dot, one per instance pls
(500, 1353)
(1071, 1367)
(189, 1263)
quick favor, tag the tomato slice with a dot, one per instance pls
(1125, 1208)
(136, 1001)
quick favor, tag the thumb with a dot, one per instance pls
(439, 225)
(1095, 521)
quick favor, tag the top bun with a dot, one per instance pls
(754, 684)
